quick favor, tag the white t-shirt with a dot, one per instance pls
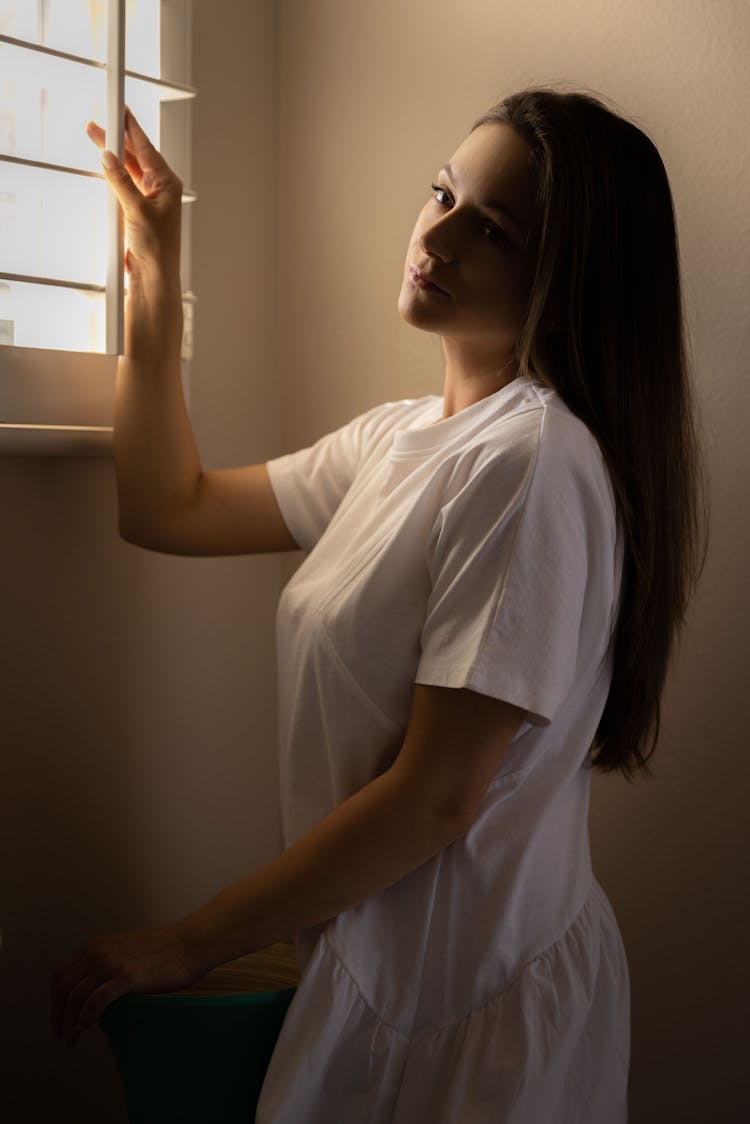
(478, 551)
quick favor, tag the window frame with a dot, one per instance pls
(61, 403)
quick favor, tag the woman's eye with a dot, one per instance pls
(441, 191)
(493, 233)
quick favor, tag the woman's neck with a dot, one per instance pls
(469, 378)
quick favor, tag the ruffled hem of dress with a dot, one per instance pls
(553, 1046)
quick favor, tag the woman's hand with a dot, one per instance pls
(150, 195)
(148, 960)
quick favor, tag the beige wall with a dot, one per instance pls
(138, 725)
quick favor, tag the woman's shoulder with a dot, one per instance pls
(568, 444)
(520, 421)
(570, 461)
(539, 442)
(540, 420)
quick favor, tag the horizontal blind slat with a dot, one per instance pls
(26, 45)
(29, 279)
(56, 440)
(189, 195)
(170, 91)
(46, 167)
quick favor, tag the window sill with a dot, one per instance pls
(56, 440)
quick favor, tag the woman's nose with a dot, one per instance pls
(436, 240)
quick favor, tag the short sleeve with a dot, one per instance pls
(310, 484)
(510, 561)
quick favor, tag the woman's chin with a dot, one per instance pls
(415, 313)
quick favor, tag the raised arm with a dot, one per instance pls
(166, 501)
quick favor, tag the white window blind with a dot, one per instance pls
(62, 279)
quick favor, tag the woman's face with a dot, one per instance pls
(470, 242)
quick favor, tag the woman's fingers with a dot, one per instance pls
(143, 161)
(72, 988)
(87, 1002)
(118, 176)
(148, 156)
(150, 195)
(85, 985)
(76, 1000)
(99, 137)
(134, 134)
(163, 958)
(97, 1003)
(96, 133)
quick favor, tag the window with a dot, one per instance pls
(62, 280)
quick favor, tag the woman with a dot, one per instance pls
(493, 583)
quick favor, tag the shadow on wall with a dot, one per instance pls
(131, 690)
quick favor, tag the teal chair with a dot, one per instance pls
(200, 1056)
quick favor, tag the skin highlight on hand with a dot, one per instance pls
(150, 195)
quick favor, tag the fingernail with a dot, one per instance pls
(109, 160)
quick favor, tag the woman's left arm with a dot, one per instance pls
(454, 744)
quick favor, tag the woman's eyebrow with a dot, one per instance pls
(489, 204)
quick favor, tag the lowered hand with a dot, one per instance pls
(159, 959)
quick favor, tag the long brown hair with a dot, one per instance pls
(605, 329)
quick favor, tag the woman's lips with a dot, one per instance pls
(420, 281)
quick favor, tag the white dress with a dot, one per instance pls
(490, 985)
